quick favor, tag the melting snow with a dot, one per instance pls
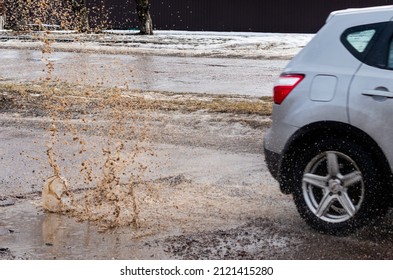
(176, 43)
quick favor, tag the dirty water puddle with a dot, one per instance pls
(172, 207)
(28, 232)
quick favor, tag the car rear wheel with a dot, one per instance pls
(338, 188)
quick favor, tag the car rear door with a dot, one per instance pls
(370, 99)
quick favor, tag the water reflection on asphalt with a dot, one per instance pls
(157, 73)
(31, 233)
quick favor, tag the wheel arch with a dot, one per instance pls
(319, 131)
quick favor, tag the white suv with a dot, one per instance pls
(331, 141)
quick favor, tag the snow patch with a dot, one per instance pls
(170, 43)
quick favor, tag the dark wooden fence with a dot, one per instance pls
(291, 16)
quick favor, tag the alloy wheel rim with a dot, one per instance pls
(333, 187)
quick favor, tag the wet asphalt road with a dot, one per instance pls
(223, 204)
(156, 73)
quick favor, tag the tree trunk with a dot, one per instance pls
(145, 21)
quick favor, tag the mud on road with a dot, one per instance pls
(209, 194)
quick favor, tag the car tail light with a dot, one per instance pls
(285, 84)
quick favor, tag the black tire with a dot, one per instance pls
(338, 188)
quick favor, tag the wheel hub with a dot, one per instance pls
(335, 186)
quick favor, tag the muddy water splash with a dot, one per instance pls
(109, 170)
(112, 202)
(44, 14)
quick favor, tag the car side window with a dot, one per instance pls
(390, 55)
(358, 40)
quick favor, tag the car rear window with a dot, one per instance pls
(359, 39)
